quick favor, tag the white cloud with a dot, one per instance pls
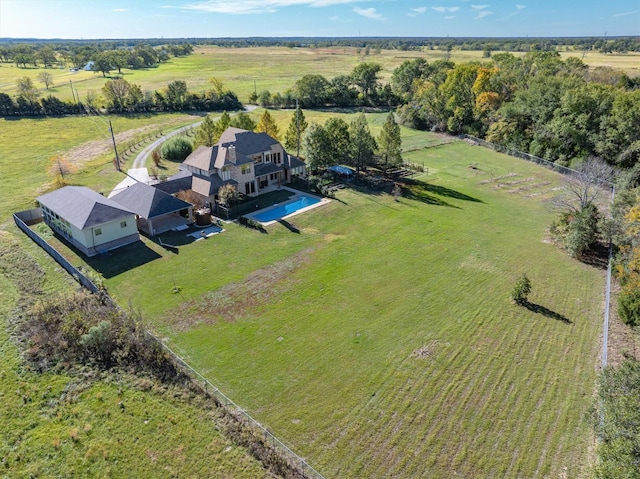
(449, 17)
(120, 10)
(625, 13)
(483, 13)
(257, 6)
(445, 9)
(521, 7)
(368, 13)
(479, 7)
(419, 9)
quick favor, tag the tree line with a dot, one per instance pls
(121, 96)
(107, 54)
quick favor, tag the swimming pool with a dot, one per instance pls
(279, 211)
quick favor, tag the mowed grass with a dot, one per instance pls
(263, 68)
(380, 342)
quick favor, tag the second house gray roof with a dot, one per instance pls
(83, 207)
(149, 202)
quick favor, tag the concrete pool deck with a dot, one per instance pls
(298, 194)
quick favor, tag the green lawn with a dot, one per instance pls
(380, 342)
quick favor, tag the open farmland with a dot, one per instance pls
(264, 68)
(380, 342)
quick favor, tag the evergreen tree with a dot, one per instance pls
(268, 125)
(390, 143)
(243, 120)
(222, 124)
(338, 132)
(297, 127)
(206, 133)
(363, 145)
(317, 146)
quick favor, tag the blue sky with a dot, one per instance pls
(281, 18)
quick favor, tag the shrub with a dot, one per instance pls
(629, 305)
(521, 290)
(176, 149)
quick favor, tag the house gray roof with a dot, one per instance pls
(247, 142)
(266, 168)
(201, 158)
(149, 202)
(209, 185)
(292, 161)
(83, 207)
(181, 181)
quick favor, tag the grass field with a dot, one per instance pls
(264, 68)
(382, 324)
(380, 342)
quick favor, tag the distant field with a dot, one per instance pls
(380, 342)
(264, 68)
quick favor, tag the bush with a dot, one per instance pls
(81, 328)
(521, 290)
(629, 305)
(176, 149)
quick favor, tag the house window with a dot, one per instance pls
(225, 174)
(257, 159)
(246, 169)
(123, 224)
(278, 158)
(97, 231)
(267, 157)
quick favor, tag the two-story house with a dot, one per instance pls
(253, 162)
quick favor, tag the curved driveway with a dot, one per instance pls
(141, 159)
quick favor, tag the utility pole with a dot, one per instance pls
(72, 93)
(297, 129)
(115, 149)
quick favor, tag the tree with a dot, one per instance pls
(205, 134)
(293, 135)
(521, 290)
(460, 104)
(317, 147)
(27, 90)
(618, 425)
(102, 63)
(312, 90)
(389, 142)
(176, 94)
(221, 125)
(46, 78)
(403, 77)
(268, 125)
(363, 145)
(582, 188)
(338, 132)
(116, 93)
(226, 194)
(365, 77)
(47, 55)
(243, 121)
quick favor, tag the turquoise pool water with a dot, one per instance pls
(283, 210)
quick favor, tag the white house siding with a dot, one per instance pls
(110, 232)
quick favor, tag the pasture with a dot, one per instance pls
(380, 342)
(263, 68)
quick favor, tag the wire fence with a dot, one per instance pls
(306, 471)
(570, 172)
(29, 216)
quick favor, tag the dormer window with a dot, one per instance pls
(267, 157)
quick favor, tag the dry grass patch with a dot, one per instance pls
(238, 300)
